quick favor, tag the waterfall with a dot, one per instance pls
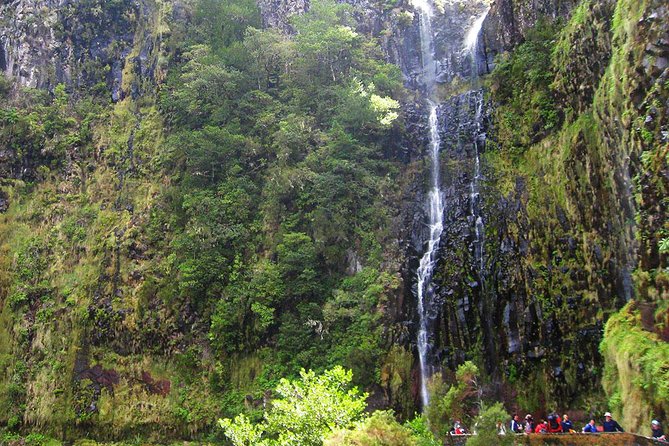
(435, 209)
(471, 47)
(474, 195)
(471, 43)
(427, 306)
(424, 288)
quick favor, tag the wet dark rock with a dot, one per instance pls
(509, 20)
(56, 34)
(597, 251)
(4, 201)
(276, 14)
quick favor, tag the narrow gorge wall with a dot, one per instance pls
(578, 220)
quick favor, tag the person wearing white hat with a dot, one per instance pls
(611, 425)
(657, 432)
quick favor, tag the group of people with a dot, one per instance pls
(554, 424)
(609, 425)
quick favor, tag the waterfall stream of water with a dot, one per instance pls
(435, 208)
(435, 199)
(472, 47)
(424, 288)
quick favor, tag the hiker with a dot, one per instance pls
(554, 425)
(590, 428)
(458, 429)
(567, 425)
(611, 425)
(516, 425)
(541, 428)
(501, 430)
(657, 432)
(529, 424)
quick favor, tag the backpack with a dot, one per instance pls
(553, 424)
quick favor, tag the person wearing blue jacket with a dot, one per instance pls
(590, 428)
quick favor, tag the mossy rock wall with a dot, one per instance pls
(575, 199)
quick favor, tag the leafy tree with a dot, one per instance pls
(223, 23)
(296, 260)
(380, 429)
(207, 90)
(487, 427)
(459, 401)
(305, 411)
(326, 41)
(273, 55)
(353, 322)
(247, 308)
(421, 432)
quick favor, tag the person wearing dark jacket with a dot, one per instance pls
(657, 432)
(611, 425)
(516, 425)
(554, 424)
(567, 425)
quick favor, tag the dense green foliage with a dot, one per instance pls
(198, 243)
(379, 429)
(488, 427)
(525, 110)
(324, 410)
(278, 149)
(637, 368)
(231, 218)
(458, 402)
(303, 411)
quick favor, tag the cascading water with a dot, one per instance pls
(424, 288)
(427, 305)
(435, 210)
(474, 195)
(472, 42)
(471, 47)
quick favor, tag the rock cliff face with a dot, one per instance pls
(568, 216)
(78, 43)
(564, 231)
(509, 20)
(277, 14)
(581, 209)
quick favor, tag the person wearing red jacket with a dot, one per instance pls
(541, 428)
(554, 424)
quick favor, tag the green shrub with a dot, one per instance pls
(380, 429)
(304, 412)
(487, 427)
